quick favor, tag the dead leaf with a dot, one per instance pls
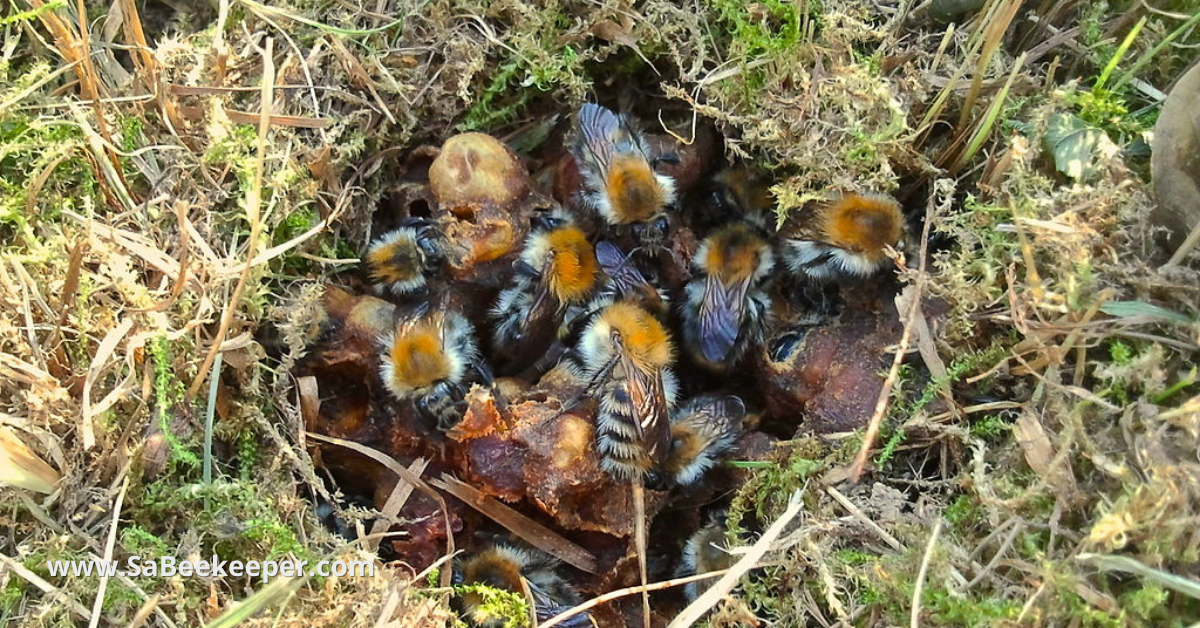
(21, 467)
(1039, 452)
(610, 31)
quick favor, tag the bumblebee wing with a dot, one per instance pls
(544, 305)
(720, 317)
(597, 129)
(610, 258)
(546, 607)
(627, 280)
(619, 267)
(650, 419)
(724, 408)
(717, 415)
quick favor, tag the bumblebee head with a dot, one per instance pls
(865, 225)
(735, 254)
(568, 260)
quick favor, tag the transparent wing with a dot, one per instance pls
(597, 128)
(720, 317)
(651, 421)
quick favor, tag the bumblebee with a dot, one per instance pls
(705, 551)
(622, 281)
(426, 360)
(400, 261)
(735, 194)
(618, 169)
(725, 309)
(702, 430)
(555, 275)
(625, 354)
(845, 239)
(517, 570)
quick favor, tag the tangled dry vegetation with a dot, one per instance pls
(177, 180)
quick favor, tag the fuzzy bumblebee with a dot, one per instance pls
(736, 194)
(427, 359)
(702, 431)
(844, 239)
(524, 572)
(618, 168)
(726, 308)
(621, 280)
(625, 354)
(705, 551)
(555, 276)
(400, 261)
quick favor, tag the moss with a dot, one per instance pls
(496, 606)
(990, 428)
(10, 596)
(965, 513)
(765, 494)
(141, 542)
(168, 391)
(854, 558)
(294, 223)
(951, 609)
(768, 27)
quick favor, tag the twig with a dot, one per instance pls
(862, 516)
(1000, 552)
(639, 532)
(620, 593)
(914, 619)
(1186, 248)
(107, 346)
(407, 476)
(722, 587)
(209, 414)
(910, 318)
(143, 613)
(400, 494)
(527, 529)
(253, 214)
(45, 587)
(108, 554)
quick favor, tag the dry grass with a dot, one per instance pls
(174, 182)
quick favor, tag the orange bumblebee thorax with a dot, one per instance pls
(734, 253)
(634, 192)
(863, 224)
(639, 334)
(419, 356)
(572, 272)
(494, 569)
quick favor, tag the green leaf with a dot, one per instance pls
(1175, 582)
(1074, 144)
(1132, 309)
